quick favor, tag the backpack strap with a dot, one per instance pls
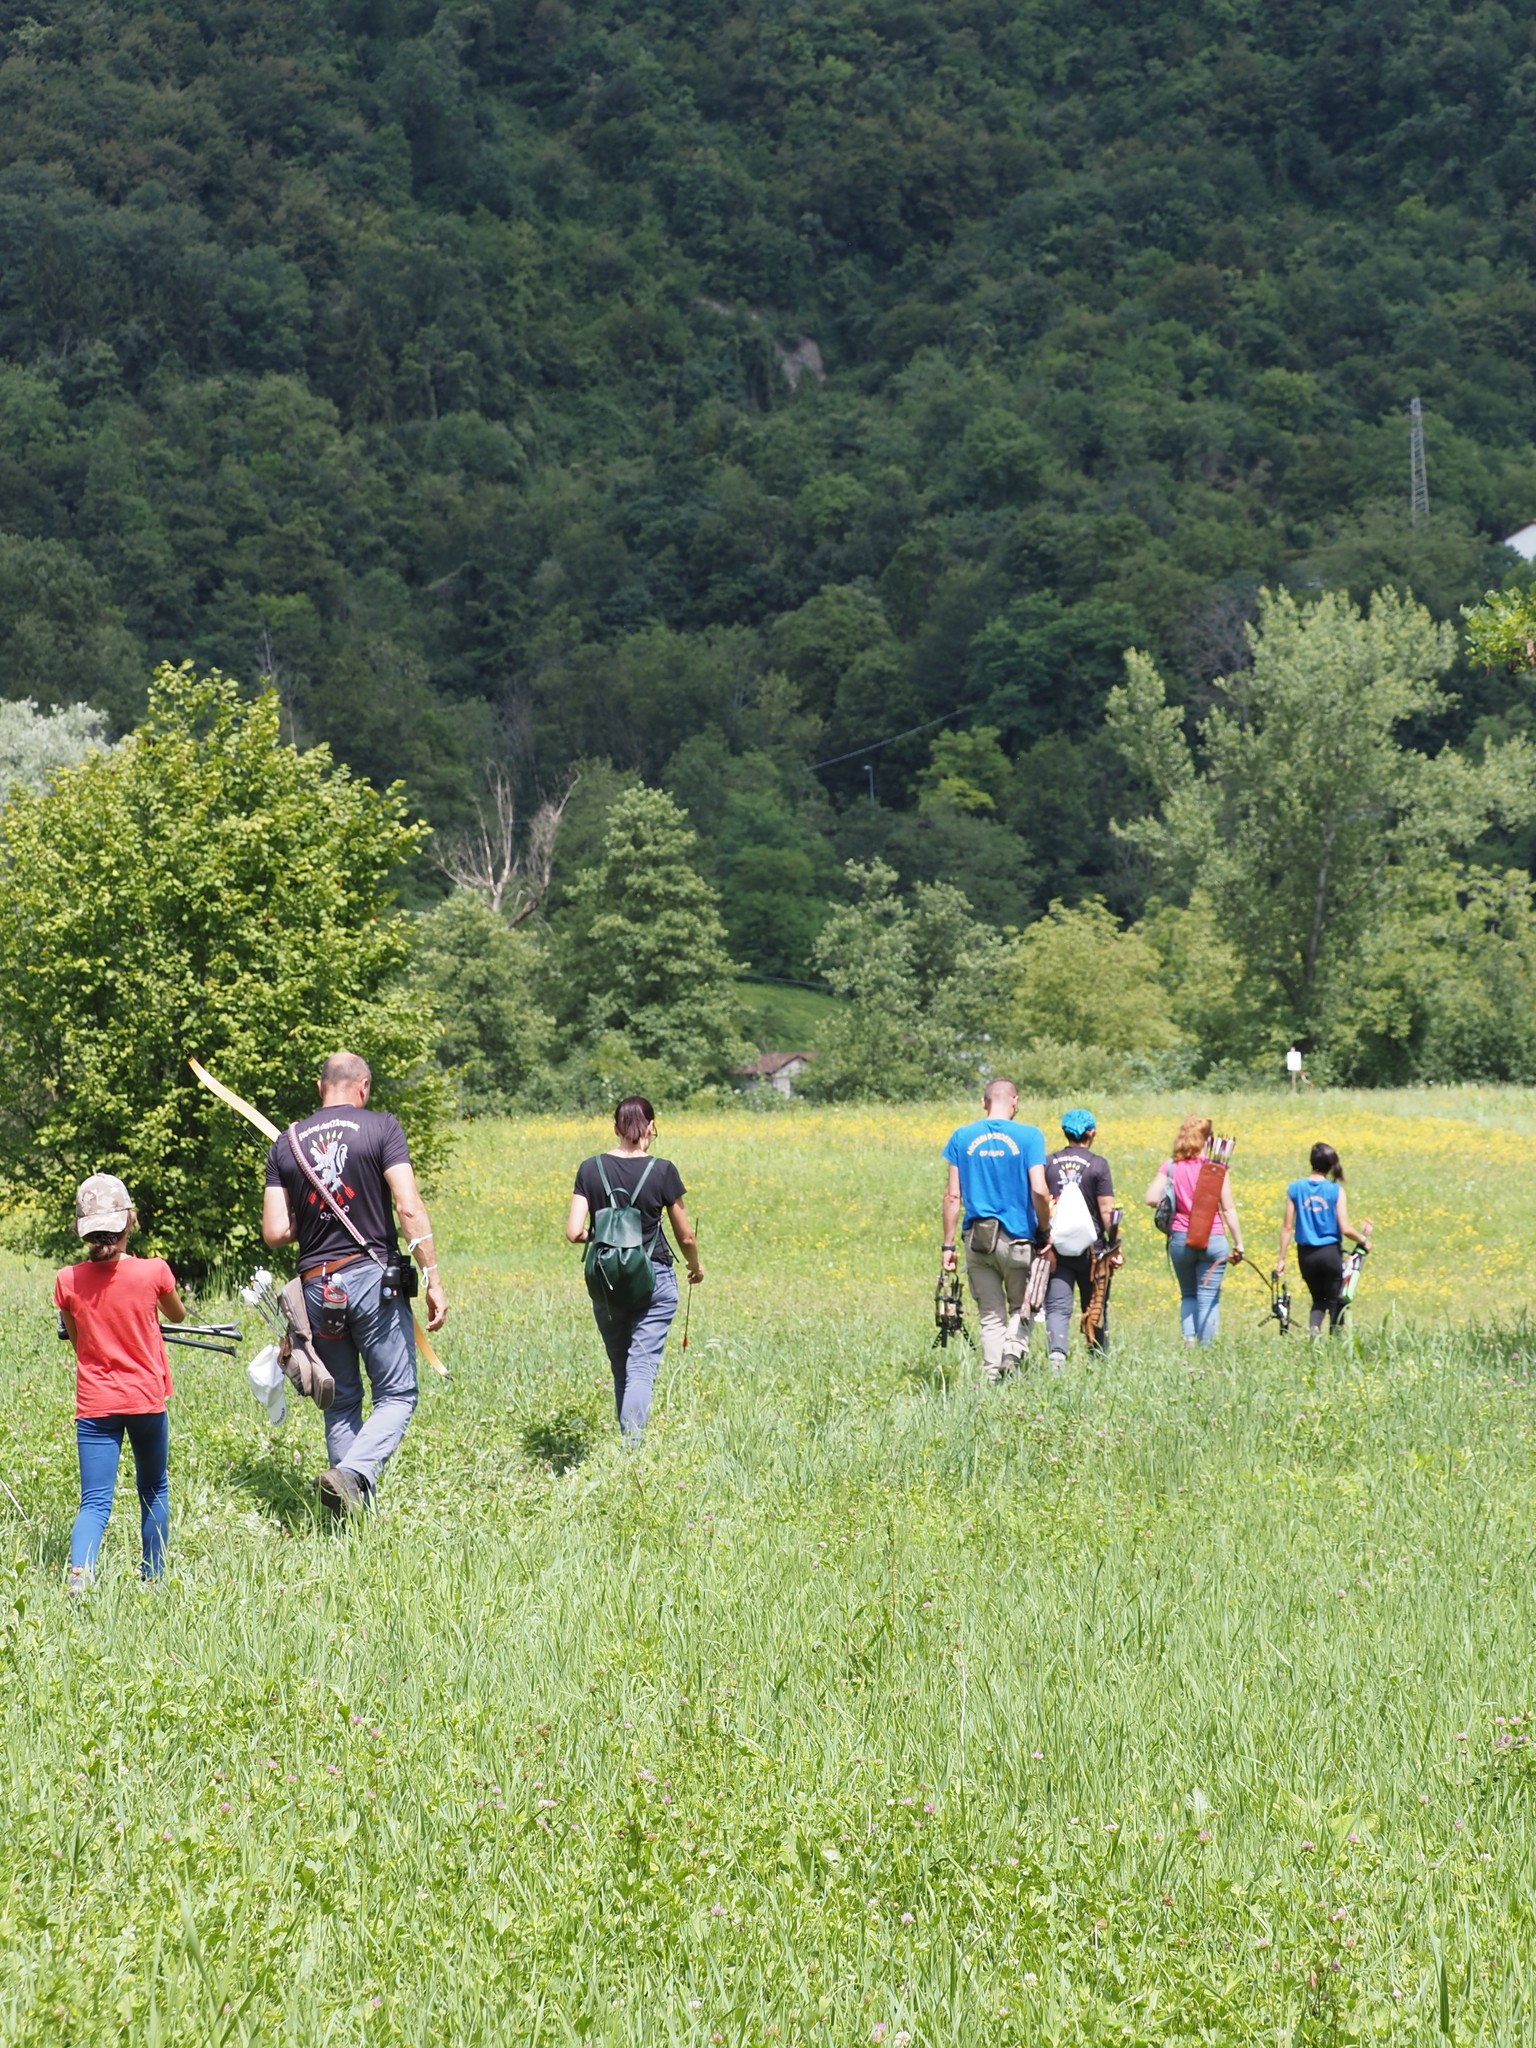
(330, 1201)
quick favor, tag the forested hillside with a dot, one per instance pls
(717, 392)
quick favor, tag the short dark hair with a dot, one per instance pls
(1326, 1160)
(344, 1070)
(995, 1087)
(633, 1118)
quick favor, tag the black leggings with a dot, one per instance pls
(1322, 1267)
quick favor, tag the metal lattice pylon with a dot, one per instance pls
(1418, 484)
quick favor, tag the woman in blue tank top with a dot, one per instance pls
(1317, 1216)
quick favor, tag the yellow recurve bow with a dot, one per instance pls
(254, 1116)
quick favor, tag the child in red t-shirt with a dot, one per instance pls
(111, 1306)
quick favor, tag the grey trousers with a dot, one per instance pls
(382, 1338)
(998, 1280)
(1073, 1275)
(634, 1345)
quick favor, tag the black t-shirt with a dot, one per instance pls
(348, 1149)
(664, 1185)
(1091, 1172)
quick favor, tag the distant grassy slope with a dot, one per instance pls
(784, 1019)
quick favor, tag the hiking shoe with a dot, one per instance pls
(80, 1580)
(342, 1493)
(1058, 1361)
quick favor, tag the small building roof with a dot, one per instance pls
(1523, 541)
(770, 1063)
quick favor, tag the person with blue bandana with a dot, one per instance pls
(1078, 1166)
(997, 1185)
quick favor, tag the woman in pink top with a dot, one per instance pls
(1200, 1273)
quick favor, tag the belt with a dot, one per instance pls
(325, 1266)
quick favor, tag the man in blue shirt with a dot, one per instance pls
(997, 1181)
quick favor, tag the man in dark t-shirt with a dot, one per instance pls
(1077, 1163)
(354, 1160)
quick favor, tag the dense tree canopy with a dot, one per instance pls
(769, 402)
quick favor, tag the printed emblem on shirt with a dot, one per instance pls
(992, 1145)
(327, 1150)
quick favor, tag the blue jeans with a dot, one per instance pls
(1200, 1275)
(99, 1440)
(634, 1345)
(380, 1337)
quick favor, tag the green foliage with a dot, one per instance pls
(483, 976)
(644, 971)
(1200, 969)
(1318, 833)
(967, 771)
(202, 889)
(60, 638)
(1501, 631)
(919, 982)
(35, 744)
(1079, 976)
(536, 384)
(439, 363)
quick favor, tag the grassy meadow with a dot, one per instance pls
(1184, 1697)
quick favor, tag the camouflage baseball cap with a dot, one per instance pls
(102, 1203)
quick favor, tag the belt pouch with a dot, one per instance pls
(984, 1235)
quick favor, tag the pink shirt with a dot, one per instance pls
(1184, 1173)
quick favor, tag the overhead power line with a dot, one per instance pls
(874, 746)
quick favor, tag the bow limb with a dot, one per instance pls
(254, 1116)
(235, 1102)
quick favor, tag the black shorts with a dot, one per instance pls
(1322, 1267)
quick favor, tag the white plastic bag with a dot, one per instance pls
(1072, 1227)
(265, 1373)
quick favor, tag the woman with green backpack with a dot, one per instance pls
(616, 1212)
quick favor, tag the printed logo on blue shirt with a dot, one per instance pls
(992, 1145)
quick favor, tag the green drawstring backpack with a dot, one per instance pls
(618, 1268)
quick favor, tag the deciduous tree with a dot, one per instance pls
(203, 890)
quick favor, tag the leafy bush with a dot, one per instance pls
(201, 889)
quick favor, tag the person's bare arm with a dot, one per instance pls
(70, 1330)
(417, 1225)
(172, 1307)
(1287, 1232)
(1042, 1195)
(1106, 1209)
(277, 1227)
(950, 1258)
(687, 1243)
(1347, 1229)
(577, 1220)
(1157, 1190)
(1229, 1212)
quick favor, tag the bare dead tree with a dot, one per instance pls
(510, 869)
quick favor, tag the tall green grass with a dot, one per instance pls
(1179, 1698)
